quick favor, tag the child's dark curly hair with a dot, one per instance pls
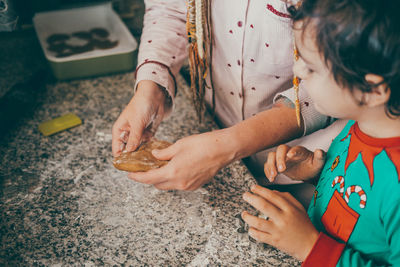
(355, 38)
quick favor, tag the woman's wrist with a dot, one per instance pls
(227, 144)
(155, 92)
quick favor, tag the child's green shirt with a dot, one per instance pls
(356, 204)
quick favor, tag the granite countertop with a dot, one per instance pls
(63, 203)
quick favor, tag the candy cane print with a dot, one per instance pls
(339, 180)
(358, 190)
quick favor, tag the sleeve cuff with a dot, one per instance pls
(325, 252)
(313, 120)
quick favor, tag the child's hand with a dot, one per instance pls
(288, 227)
(297, 162)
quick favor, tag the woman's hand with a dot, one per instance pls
(140, 118)
(193, 161)
(288, 226)
(298, 163)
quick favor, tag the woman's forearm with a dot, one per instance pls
(264, 130)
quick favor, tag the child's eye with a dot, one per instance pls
(310, 70)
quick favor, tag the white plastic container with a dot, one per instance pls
(122, 57)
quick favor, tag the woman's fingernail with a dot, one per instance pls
(280, 167)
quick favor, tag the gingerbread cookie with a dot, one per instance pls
(141, 160)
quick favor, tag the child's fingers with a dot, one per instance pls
(262, 191)
(319, 155)
(256, 222)
(261, 236)
(318, 160)
(299, 153)
(281, 152)
(275, 199)
(291, 199)
(270, 167)
(264, 205)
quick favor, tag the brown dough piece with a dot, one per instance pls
(57, 38)
(100, 32)
(141, 160)
(107, 44)
(82, 35)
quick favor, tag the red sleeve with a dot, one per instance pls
(325, 252)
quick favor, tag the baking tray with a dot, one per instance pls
(120, 58)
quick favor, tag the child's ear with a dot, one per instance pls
(380, 93)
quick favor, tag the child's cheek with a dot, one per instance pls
(314, 91)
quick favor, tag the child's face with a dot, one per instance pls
(329, 98)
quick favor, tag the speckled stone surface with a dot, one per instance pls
(62, 203)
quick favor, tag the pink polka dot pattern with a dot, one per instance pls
(240, 79)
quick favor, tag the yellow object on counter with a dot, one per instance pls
(59, 124)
